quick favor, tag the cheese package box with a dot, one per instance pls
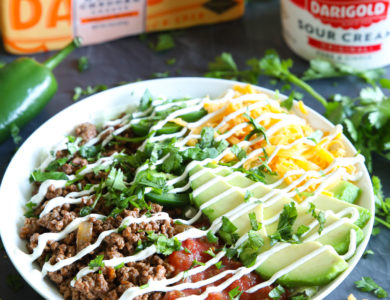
(30, 26)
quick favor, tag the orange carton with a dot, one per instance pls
(41, 25)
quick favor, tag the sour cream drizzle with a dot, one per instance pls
(268, 199)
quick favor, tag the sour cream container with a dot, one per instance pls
(352, 32)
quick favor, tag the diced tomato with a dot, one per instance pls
(183, 261)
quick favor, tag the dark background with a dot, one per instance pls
(131, 59)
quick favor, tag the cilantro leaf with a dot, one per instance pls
(321, 68)
(206, 137)
(257, 128)
(286, 221)
(253, 221)
(164, 42)
(55, 164)
(115, 179)
(39, 176)
(366, 284)
(288, 103)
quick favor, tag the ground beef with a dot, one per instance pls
(86, 131)
(109, 283)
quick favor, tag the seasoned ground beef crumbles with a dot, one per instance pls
(109, 282)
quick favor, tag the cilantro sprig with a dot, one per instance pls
(367, 284)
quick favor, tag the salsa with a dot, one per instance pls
(195, 251)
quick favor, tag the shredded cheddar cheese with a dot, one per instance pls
(301, 156)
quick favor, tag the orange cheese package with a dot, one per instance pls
(30, 26)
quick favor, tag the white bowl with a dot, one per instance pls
(15, 189)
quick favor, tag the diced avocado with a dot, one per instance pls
(269, 211)
(227, 201)
(336, 236)
(318, 270)
(207, 174)
(323, 202)
(345, 191)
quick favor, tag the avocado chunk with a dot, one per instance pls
(345, 191)
(336, 236)
(323, 202)
(199, 179)
(318, 270)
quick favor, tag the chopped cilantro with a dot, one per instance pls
(82, 64)
(288, 103)
(210, 252)
(88, 151)
(164, 245)
(277, 292)
(55, 164)
(144, 286)
(90, 90)
(115, 179)
(238, 152)
(286, 221)
(367, 253)
(72, 144)
(235, 293)
(170, 61)
(197, 263)
(121, 265)
(248, 195)
(97, 262)
(320, 216)
(206, 137)
(316, 136)
(164, 42)
(257, 128)
(219, 265)
(211, 237)
(30, 210)
(253, 220)
(302, 229)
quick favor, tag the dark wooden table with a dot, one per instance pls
(130, 59)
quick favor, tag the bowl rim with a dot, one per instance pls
(323, 291)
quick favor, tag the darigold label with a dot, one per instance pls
(353, 32)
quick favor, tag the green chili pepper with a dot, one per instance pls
(26, 86)
(167, 199)
(142, 128)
